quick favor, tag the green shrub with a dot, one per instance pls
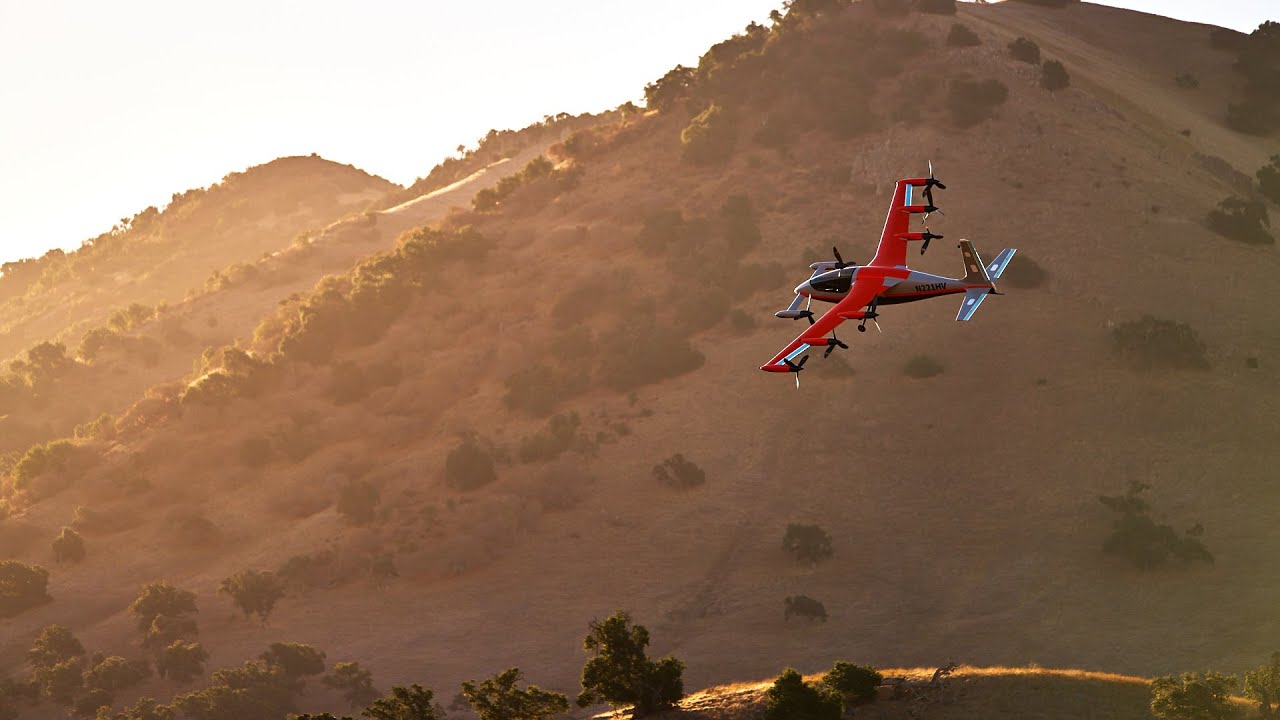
(1262, 685)
(499, 698)
(962, 36)
(1150, 343)
(181, 661)
(469, 465)
(115, 673)
(1194, 696)
(922, 366)
(857, 683)
(101, 428)
(562, 434)
(537, 389)
(677, 472)
(358, 502)
(663, 93)
(807, 543)
(126, 319)
(1053, 76)
(22, 587)
(1139, 539)
(1025, 50)
(354, 682)
(253, 592)
(1269, 179)
(803, 606)
(791, 698)
(55, 644)
(161, 611)
(68, 546)
(40, 460)
(709, 137)
(619, 672)
(970, 102)
(1186, 81)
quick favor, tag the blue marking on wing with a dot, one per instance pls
(909, 189)
(797, 351)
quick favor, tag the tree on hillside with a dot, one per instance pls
(181, 661)
(253, 592)
(791, 698)
(22, 587)
(1263, 685)
(55, 644)
(972, 101)
(354, 682)
(469, 465)
(857, 683)
(807, 543)
(1053, 76)
(961, 36)
(69, 546)
(161, 610)
(296, 660)
(1269, 179)
(619, 672)
(358, 502)
(1241, 219)
(115, 673)
(1025, 50)
(411, 703)
(1193, 696)
(663, 93)
(1138, 538)
(709, 137)
(498, 698)
(145, 709)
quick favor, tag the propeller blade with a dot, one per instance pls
(840, 263)
(877, 324)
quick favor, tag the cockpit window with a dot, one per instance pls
(837, 281)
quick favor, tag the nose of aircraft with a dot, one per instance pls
(804, 289)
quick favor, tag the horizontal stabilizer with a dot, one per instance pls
(972, 299)
(997, 266)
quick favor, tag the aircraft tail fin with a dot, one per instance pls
(973, 297)
(996, 267)
(974, 271)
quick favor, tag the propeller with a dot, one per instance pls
(832, 344)
(840, 263)
(928, 192)
(927, 236)
(796, 368)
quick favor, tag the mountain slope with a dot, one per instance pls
(963, 507)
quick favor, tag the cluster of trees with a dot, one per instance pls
(22, 587)
(538, 173)
(1150, 343)
(1207, 695)
(679, 472)
(34, 376)
(1139, 539)
(845, 685)
(1053, 75)
(1258, 60)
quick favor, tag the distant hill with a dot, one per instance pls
(490, 403)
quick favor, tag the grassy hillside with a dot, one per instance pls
(611, 310)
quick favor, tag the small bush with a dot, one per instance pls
(962, 36)
(1186, 81)
(358, 502)
(803, 606)
(709, 137)
(1194, 696)
(807, 543)
(562, 434)
(22, 587)
(677, 472)
(253, 592)
(469, 465)
(970, 102)
(1025, 50)
(791, 698)
(922, 366)
(69, 546)
(1151, 343)
(1053, 76)
(1269, 180)
(857, 683)
(1142, 541)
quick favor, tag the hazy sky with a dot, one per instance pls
(106, 108)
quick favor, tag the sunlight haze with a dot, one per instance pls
(114, 107)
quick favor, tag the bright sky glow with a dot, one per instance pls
(111, 107)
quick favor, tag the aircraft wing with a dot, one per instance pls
(864, 289)
(892, 250)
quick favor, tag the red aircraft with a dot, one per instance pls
(886, 280)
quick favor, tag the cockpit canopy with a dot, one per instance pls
(833, 281)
